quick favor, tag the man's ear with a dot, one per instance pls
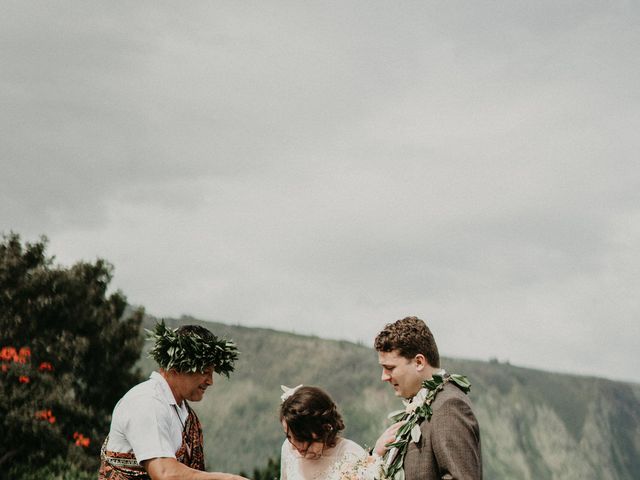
(421, 362)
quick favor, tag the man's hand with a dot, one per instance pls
(171, 469)
(387, 437)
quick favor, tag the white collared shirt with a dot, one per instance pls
(145, 421)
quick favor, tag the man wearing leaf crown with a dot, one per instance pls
(437, 435)
(154, 432)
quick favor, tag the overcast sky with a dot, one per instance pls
(329, 167)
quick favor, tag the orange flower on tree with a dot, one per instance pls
(23, 379)
(8, 354)
(23, 355)
(45, 366)
(81, 440)
(45, 415)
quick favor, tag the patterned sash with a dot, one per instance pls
(124, 466)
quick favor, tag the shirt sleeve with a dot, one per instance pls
(455, 437)
(148, 429)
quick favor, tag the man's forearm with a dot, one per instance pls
(171, 469)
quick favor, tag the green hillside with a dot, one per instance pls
(534, 425)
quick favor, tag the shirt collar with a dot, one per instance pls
(164, 387)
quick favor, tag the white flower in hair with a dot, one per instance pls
(288, 391)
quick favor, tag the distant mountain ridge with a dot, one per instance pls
(534, 424)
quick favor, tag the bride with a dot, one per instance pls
(313, 449)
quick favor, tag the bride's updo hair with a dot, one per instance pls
(312, 416)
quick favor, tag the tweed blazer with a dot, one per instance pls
(449, 447)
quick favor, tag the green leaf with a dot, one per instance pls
(395, 444)
(461, 381)
(396, 413)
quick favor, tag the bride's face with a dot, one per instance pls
(308, 450)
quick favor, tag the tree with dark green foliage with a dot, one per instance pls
(67, 354)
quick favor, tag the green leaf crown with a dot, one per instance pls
(190, 351)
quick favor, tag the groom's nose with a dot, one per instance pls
(385, 376)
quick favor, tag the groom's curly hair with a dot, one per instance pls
(410, 336)
(312, 416)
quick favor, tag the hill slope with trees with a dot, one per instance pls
(534, 424)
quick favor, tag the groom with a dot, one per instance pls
(449, 444)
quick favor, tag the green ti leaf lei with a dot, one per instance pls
(416, 411)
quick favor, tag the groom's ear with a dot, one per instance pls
(421, 362)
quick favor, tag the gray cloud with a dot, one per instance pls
(326, 168)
